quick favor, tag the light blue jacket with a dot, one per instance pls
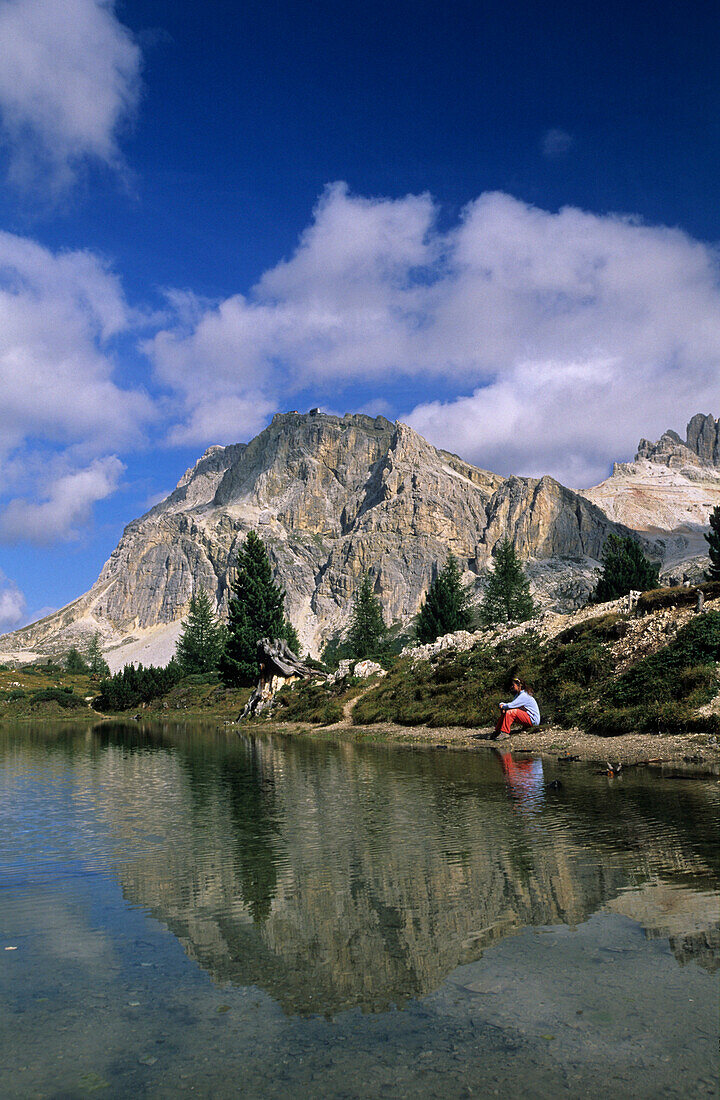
(524, 701)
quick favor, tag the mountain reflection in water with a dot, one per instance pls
(334, 875)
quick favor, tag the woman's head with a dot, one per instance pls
(519, 684)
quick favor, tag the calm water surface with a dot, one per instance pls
(184, 910)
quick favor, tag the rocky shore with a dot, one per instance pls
(693, 753)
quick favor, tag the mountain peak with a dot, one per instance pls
(701, 445)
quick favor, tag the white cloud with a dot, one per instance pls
(68, 504)
(57, 312)
(555, 143)
(12, 604)
(559, 337)
(325, 315)
(61, 409)
(69, 80)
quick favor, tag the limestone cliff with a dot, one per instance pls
(330, 497)
(670, 488)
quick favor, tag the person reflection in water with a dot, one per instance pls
(523, 777)
(523, 709)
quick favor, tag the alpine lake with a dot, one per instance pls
(184, 909)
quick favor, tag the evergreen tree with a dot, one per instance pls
(202, 640)
(625, 569)
(255, 611)
(507, 593)
(446, 606)
(96, 662)
(291, 637)
(367, 627)
(713, 573)
(75, 662)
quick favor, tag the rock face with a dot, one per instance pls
(332, 497)
(671, 487)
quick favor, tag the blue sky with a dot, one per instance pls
(496, 221)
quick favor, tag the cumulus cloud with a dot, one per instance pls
(57, 314)
(69, 80)
(340, 307)
(557, 337)
(61, 408)
(68, 504)
(555, 143)
(12, 604)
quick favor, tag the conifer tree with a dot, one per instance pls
(507, 593)
(625, 569)
(367, 627)
(446, 606)
(255, 611)
(713, 538)
(96, 662)
(75, 662)
(202, 640)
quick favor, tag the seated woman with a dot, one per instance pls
(523, 709)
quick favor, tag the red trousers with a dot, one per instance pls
(509, 716)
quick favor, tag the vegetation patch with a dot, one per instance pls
(133, 686)
(665, 688)
(65, 697)
(458, 689)
(604, 628)
(572, 676)
(677, 596)
(310, 701)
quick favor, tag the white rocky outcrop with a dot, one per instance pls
(670, 488)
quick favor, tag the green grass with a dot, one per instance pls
(662, 692)
(43, 690)
(573, 678)
(311, 701)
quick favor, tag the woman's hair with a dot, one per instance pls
(523, 684)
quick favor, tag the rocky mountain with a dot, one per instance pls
(670, 488)
(332, 497)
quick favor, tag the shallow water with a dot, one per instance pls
(185, 910)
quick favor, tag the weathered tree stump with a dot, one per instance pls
(278, 666)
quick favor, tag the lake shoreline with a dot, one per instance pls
(697, 752)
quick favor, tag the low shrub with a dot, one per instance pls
(309, 702)
(133, 685)
(676, 717)
(677, 596)
(604, 628)
(660, 676)
(16, 693)
(65, 697)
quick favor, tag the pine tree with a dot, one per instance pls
(96, 662)
(291, 638)
(367, 627)
(446, 606)
(507, 593)
(255, 611)
(713, 538)
(75, 662)
(202, 640)
(625, 569)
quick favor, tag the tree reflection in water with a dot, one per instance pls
(335, 875)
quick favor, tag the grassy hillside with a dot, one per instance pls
(575, 677)
(612, 674)
(45, 690)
